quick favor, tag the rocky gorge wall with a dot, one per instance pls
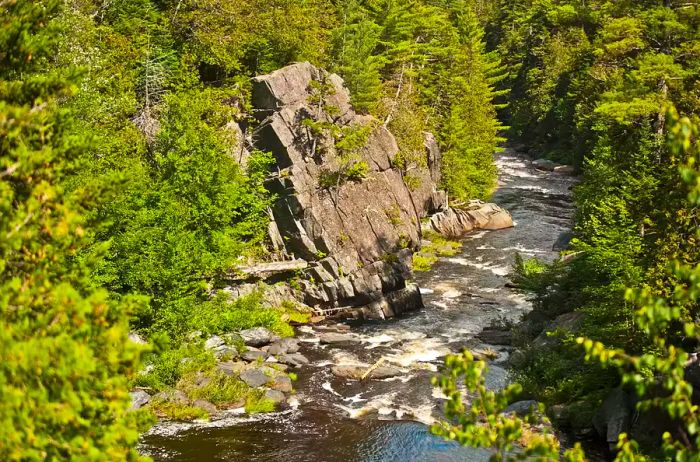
(342, 207)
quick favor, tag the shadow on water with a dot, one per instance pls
(386, 420)
(313, 436)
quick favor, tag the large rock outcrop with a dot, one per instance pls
(455, 223)
(358, 233)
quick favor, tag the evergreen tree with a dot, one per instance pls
(356, 42)
(64, 353)
(471, 129)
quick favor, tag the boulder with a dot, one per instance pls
(568, 322)
(257, 336)
(276, 396)
(522, 408)
(614, 416)
(282, 346)
(173, 396)
(563, 241)
(356, 372)
(139, 398)
(496, 336)
(291, 345)
(294, 360)
(205, 405)
(254, 378)
(231, 368)
(335, 338)
(544, 164)
(564, 169)
(253, 354)
(225, 352)
(213, 342)
(282, 383)
(455, 223)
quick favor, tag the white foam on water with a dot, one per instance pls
(377, 340)
(419, 351)
(383, 401)
(438, 394)
(327, 386)
(498, 270)
(533, 188)
(452, 293)
(345, 358)
(489, 290)
(441, 305)
(477, 235)
(425, 291)
(520, 299)
(522, 249)
(229, 418)
(306, 329)
(486, 247)
(293, 402)
(398, 378)
(355, 399)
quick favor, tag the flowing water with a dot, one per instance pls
(386, 420)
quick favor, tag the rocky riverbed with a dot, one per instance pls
(338, 416)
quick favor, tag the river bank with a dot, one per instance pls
(339, 418)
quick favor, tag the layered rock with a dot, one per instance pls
(455, 223)
(358, 234)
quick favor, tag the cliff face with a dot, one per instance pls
(341, 205)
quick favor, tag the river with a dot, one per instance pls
(386, 420)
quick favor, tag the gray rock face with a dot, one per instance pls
(257, 336)
(349, 231)
(139, 399)
(254, 378)
(614, 416)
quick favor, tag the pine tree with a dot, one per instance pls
(64, 353)
(356, 42)
(470, 132)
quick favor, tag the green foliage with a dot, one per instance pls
(533, 275)
(656, 374)
(437, 246)
(221, 315)
(422, 66)
(257, 403)
(481, 421)
(64, 353)
(168, 364)
(220, 389)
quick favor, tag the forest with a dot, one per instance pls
(123, 209)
